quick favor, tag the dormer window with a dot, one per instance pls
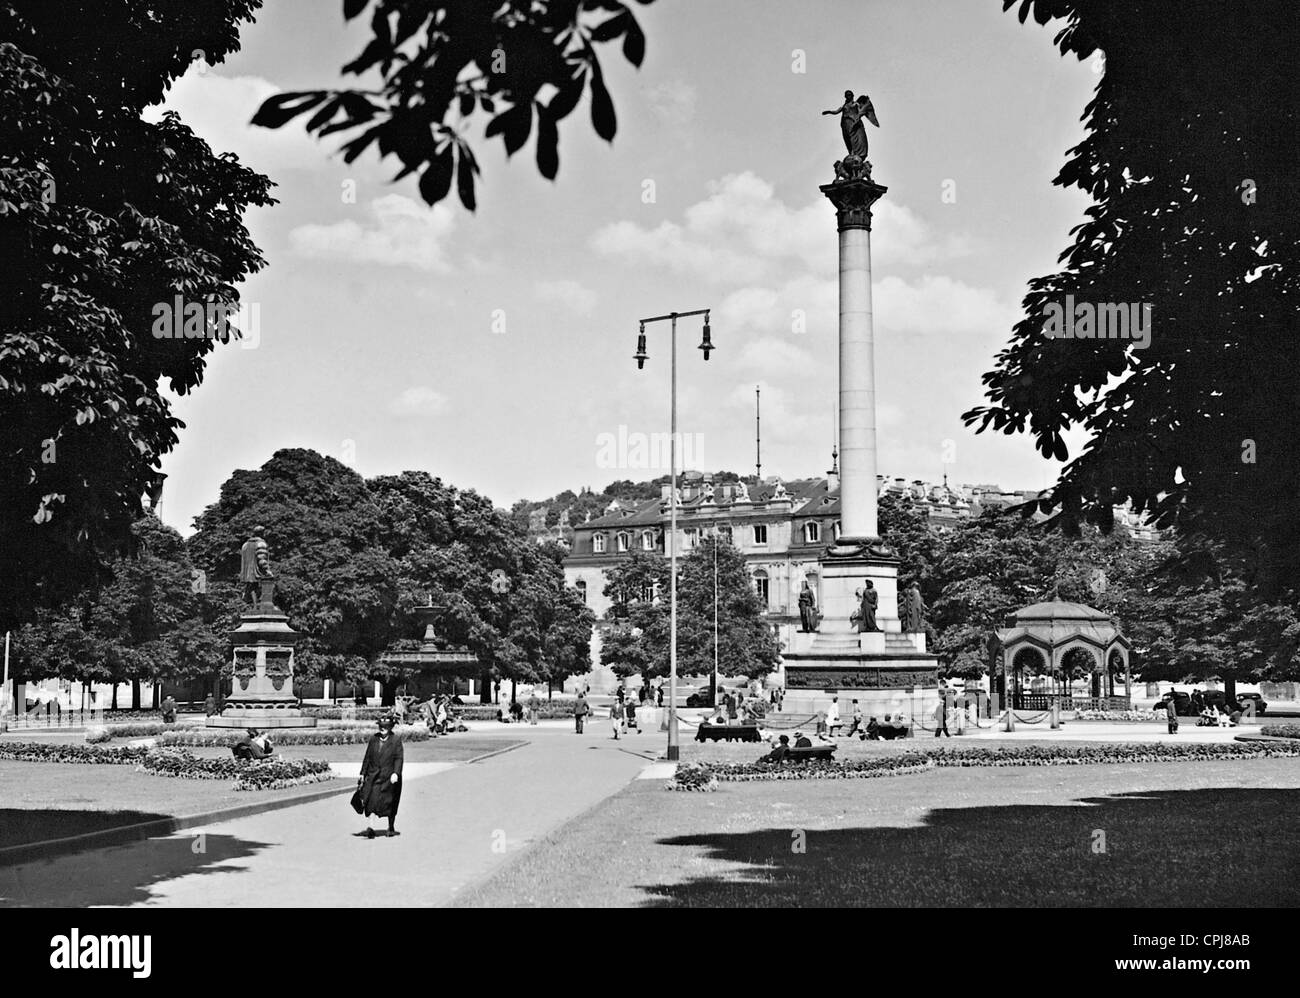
(812, 532)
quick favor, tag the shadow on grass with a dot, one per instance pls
(19, 826)
(117, 875)
(1221, 847)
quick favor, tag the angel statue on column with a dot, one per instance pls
(851, 113)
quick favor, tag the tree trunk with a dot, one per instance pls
(113, 705)
(512, 691)
(1230, 690)
(387, 692)
(485, 694)
(135, 694)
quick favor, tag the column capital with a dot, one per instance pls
(853, 198)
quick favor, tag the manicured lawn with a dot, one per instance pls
(44, 800)
(1177, 834)
(40, 801)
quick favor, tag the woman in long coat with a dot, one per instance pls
(381, 777)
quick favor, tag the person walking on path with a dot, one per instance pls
(209, 705)
(580, 711)
(616, 718)
(169, 710)
(534, 705)
(941, 718)
(833, 716)
(631, 716)
(380, 782)
(1171, 714)
(659, 695)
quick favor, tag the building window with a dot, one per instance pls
(835, 530)
(692, 537)
(624, 542)
(581, 586)
(724, 534)
(647, 540)
(812, 532)
(598, 543)
(760, 585)
(760, 533)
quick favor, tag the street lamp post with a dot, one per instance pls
(674, 748)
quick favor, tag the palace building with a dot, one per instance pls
(780, 527)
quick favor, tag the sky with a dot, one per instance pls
(494, 349)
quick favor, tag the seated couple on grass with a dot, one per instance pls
(254, 745)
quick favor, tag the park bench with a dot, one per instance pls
(826, 752)
(727, 732)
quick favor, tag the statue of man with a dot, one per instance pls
(865, 614)
(913, 610)
(807, 608)
(255, 566)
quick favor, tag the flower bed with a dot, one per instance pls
(343, 734)
(111, 755)
(1119, 715)
(257, 774)
(920, 761)
(1281, 730)
(694, 776)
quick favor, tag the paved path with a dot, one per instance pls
(458, 825)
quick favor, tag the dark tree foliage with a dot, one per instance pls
(1189, 158)
(524, 64)
(102, 216)
(639, 638)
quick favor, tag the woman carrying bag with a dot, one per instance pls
(379, 788)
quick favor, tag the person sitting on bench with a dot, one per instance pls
(801, 740)
(779, 750)
(872, 732)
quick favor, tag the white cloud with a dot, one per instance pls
(743, 233)
(569, 293)
(782, 420)
(421, 400)
(937, 304)
(672, 102)
(219, 109)
(398, 233)
(777, 358)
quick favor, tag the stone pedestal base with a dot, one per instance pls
(261, 694)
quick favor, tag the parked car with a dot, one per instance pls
(1182, 703)
(1261, 704)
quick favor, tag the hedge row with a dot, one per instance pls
(331, 735)
(1288, 730)
(700, 776)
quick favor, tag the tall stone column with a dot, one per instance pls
(853, 198)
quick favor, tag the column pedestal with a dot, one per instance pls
(261, 694)
(886, 671)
